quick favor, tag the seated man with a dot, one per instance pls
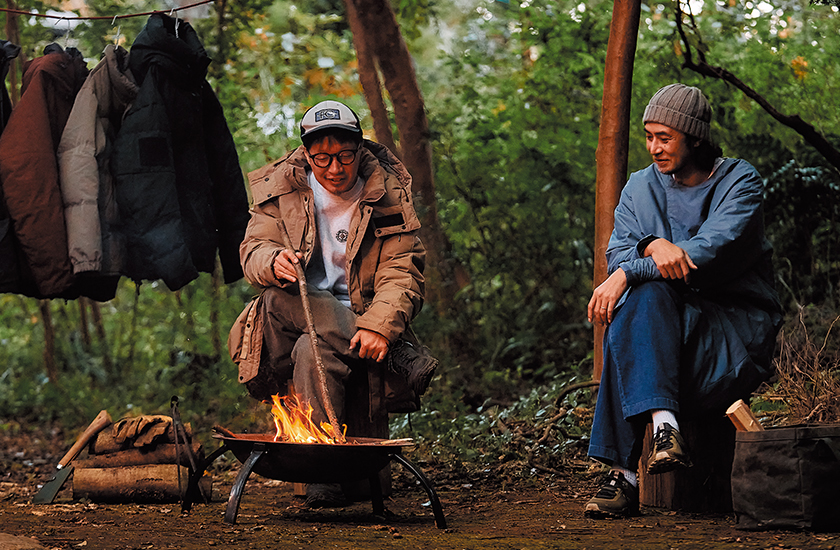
(690, 303)
(347, 208)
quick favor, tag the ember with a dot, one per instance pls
(293, 419)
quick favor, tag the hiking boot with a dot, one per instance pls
(324, 495)
(414, 363)
(669, 451)
(617, 498)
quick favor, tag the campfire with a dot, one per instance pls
(293, 419)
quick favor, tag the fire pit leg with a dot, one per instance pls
(239, 485)
(440, 520)
(195, 478)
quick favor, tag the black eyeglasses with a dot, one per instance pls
(324, 160)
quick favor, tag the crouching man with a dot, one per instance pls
(690, 305)
(346, 205)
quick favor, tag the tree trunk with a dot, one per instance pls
(13, 36)
(611, 156)
(369, 78)
(96, 314)
(377, 17)
(214, 314)
(83, 322)
(49, 341)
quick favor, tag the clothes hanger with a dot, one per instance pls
(67, 34)
(177, 22)
(119, 28)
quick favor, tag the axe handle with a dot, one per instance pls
(102, 420)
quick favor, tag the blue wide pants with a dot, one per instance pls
(668, 348)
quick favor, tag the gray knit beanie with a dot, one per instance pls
(682, 108)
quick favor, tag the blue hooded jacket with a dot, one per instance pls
(732, 291)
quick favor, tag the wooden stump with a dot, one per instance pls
(362, 390)
(705, 487)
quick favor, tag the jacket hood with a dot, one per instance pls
(171, 45)
(120, 79)
(68, 69)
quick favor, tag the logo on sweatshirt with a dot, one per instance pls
(341, 235)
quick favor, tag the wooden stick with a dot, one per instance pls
(741, 415)
(323, 391)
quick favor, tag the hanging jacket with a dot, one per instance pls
(179, 187)
(95, 245)
(9, 249)
(8, 51)
(29, 170)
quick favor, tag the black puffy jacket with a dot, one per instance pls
(179, 187)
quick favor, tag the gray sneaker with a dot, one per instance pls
(669, 451)
(415, 363)
(617, 498)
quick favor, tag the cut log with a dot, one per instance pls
(743, 418)
(106, 443)
(164, 453)
(138, 484)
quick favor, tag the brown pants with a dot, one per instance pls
(287, 349)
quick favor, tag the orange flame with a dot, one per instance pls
(293, 419)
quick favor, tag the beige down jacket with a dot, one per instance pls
(385, 258)
(87, 187)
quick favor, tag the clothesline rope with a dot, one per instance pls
(112, 18)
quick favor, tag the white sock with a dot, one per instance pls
(661, 416)
(628, 475)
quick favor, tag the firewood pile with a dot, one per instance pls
(140, 460)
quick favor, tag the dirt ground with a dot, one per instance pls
(482, 512)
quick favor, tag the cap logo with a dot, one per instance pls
(327, 114)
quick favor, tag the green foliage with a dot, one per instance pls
(507, 437)
(95, 34)
(157, 344)
(802, 210)
(515, 137)
(282, 58)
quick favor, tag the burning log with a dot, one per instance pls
(141, 484)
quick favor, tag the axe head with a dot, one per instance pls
(51, 488)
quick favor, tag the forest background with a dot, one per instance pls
(512, 93)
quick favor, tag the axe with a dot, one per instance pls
(47, 493)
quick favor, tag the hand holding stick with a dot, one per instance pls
(323, 391)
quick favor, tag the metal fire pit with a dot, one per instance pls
(358, 459)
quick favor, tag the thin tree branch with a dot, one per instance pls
(795, 122)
